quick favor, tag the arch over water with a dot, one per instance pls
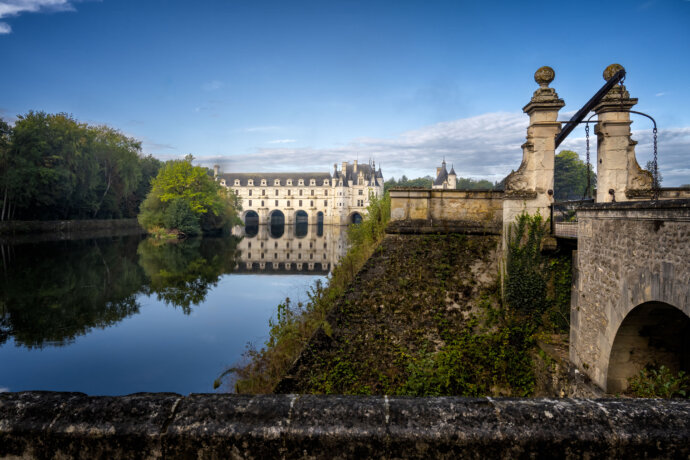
(354, 218)
(301, 224)
(251, 223)
(301, 217)
(276, 223)
(651, 335)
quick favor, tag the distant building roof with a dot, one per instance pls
(442, 174)
(244, 178)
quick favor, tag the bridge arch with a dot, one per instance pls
(301, 217)
(651, 334)
(354, 218)
(251, 223)
(301, 223)
(276, 223)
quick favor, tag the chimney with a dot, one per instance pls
(355, 167)
(438, 171)
(344, 167)
(215, 170)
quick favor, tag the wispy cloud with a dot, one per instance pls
(12, 8)
(282, 141)
(4, 390)
(485, 146)
(212, 85)
(260, 129)
(660, 94)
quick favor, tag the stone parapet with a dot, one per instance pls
(164, 425)
(423, 210)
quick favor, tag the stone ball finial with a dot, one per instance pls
(544, 76)
(611, 70)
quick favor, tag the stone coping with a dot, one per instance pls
(632, 205)
(167, 425)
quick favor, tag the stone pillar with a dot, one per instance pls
(619, 176)
(530, 188)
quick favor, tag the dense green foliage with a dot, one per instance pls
(570, 177)
(184, 199)
(660, 383)
(53, 167)
(296, 323)
(424, 182)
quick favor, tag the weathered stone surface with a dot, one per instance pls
(629, 254)
(73, 425)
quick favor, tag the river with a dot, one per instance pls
(120, 315)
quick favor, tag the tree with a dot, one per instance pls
(659, 178)
(570, 176)
(185, 199)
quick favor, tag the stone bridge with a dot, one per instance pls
(631, 290)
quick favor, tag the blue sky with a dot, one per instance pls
(259, 85)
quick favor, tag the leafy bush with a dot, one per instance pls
(179, 215)
(660, 383)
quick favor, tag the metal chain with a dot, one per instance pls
(588, 194)
(655, 186)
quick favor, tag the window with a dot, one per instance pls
(325, 202)
(311, 256)
(250, 182)
(237, 192)
(276, 192)
(325, 182)
(289, 182)
(262, 203)
(299, 256)
(325, 192)
(300, 203)
(361, 192)
(263, 191)
(250, 202)
(250, 193)
(249, 255)
(275, 255)
(262, 255)
(262, 245)
(222, 182)
(289, 192)
(249, 245)
(276, 182)
(288, 203)
(299, 245)
(300, 182)
(263, 181)
(312, 192)
(237, 182)
(287, 256)
(300, 192)
(276, 245)
(325, 245)
(311, 203)
(312, 182)
(276, 202)
(287, 245)
(311, 244)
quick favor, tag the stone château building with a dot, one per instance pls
(445, 179)
(339, 198)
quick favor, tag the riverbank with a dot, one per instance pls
(55, 230)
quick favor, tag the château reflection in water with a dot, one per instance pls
(281, 248)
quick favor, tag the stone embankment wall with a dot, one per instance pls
(17, 231)
(429, 211)
(166, 425)
(628, 254)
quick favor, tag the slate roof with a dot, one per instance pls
(319, 177)
(442, 174)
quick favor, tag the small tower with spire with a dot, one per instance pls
(444, 180)
(452, 178)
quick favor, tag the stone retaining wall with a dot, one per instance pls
(32, 231)
(416, 210)
(166, 425)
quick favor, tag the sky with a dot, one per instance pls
(300, 85)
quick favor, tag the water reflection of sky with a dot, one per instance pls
(159, 348)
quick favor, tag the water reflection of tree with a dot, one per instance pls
(182, 272)
(54, 292)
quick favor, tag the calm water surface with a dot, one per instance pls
(126, 314)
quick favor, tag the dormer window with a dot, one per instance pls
(250, 182)
(237, 182)
(312, 182)
(263, 181)
(222, 182)
(276, 182)
(325, 182)
(301, 182)
(289, 181)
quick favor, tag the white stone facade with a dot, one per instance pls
(335, 199)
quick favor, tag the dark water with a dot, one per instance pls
(126, 314)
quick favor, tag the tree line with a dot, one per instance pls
(54, 167)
